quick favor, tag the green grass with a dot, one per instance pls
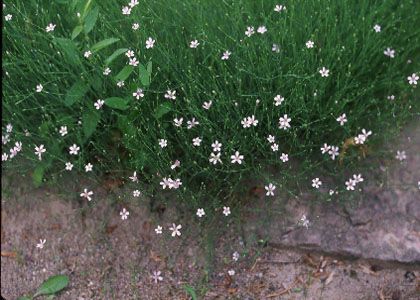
(123, 137)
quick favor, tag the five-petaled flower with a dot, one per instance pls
(200, 212)
(150, 43)
(175, 229)
(39, 150)
(324, 72)
(86, 194)
(316, 183)
(413, 79)
(124, 214)
(270, 189)
(236, 158)
(74, 149)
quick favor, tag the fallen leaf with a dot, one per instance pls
(329, 278)
(11, 254)
(155, 257)
(257, 191)
(110, 228)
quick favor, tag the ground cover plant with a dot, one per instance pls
(195, 97)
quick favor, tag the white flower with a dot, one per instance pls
(50, 27)
(8, 17)
(377, 28)
(74, 149)
(99, 103)
(249, 31)
(235, 256)
(120, 83)
(163, 143)
(271, 139)
(150, 43)
(124, 214)
(284, 157)
(134, 177)
(389, 52)
(135, 26)
(107, 71)
(88, 167)
(275, 48)
(309, 44)
(4, 157)
(175, 230)
(86, 194)
(215, 158)
(278, 100)
(270, 189)
(413, 79)
(156, 276)
(133, 62)
(63, 130)
(87, 54)
(284, 122)
(192, 123)
(39, 88)
(9, 128)
(200, 212)
(226, 55)
(401, 155)
(331, 192)
(350, 184)
(226, 210)
(391, 97)
(69, 166)
(138, 94)
(126, 10)
(133, 3)
(316, 183)
(177, 163)
(194, 44)
(197, 141)
(129, 53)
(39, 150)
(164, 183)
(231, 272)
(158, 229)
(342, 119)
(279, 8)
(324, 72)
(262, 29)
(236, 158)
(249, 121)
(275, 147)
(206, 105)
(41, 243)
(136, 193)
(333, 152)
(178, 122)
(358, 178)
(170, 95)
(304, 221)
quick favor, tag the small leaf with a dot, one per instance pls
(144, 75)
(124, 73)
(52, 285)
(76, 92)
(115, 55)
(91, 19)
(117, 102)
(190, 290)
(76, 31)
(38, 175)
(104, 43)
(163, 109)
(24, 298)
(90, 120)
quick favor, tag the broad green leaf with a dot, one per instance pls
(75, 93)
(190, 290)
(91, 19)
(68, 47)
(124, 73)
(52, 285)
(163, 109)
(86, 9)
(38, 175)
(96, 82)
(104, 43)
(76, 31)
(144, 75)
(117, 102)
(90, 120)
(115, 55)
(149, 68)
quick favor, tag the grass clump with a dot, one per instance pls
(117, 81)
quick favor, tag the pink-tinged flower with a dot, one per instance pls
(413, 79)
(270, 189)
(236, 158)
(39, 150)
(175, 230)
(156, 276)
(74, 149)
(86, 194)
(124, 214)
(226, 210)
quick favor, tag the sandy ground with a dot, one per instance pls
(108, 258)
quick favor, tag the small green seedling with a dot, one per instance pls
(50, 287)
